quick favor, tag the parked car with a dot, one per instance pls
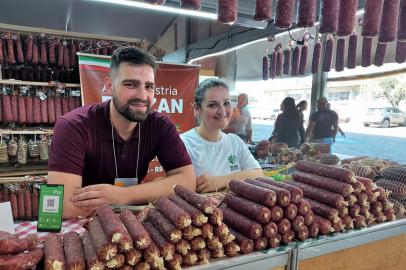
(385, 117)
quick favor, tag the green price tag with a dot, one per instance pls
(50, 208)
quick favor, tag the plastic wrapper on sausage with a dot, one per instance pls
(400, 52)
(352, 51)
(402, 22)
(295, 61)
(284, 13)
(286, 61)
(227, 11)
(380, 54)
(192, 4)
(347, 17)
(329, 16)
(389, 21)
(372, 17)
(340, 54)
(263, 10)
(316, 57)
(366, 52)
(328, 54)
(303, 60)
(306, 13)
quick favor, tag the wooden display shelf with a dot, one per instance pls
(30, 83)
(26, 132)
(39, 169)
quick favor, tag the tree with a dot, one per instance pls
(391, 90)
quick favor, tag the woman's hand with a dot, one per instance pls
(94, 195)
(206, 183)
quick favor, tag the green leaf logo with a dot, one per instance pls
(232, 159)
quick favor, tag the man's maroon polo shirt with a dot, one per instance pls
(82, 145)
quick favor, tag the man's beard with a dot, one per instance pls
(133, 116)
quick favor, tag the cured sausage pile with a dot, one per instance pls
(28, 106)
(22, 195)
(341, 200)
(263, 213)
(19, 253)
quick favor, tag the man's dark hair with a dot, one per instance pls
(132, 55)
(204, 86)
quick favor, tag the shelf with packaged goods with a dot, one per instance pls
(46, 84)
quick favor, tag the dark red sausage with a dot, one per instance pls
(7, 110)
(73, 55)
(290, 211)
(306, 13)
(279, 63)
(328, 54)
(51, 53)
(180, 218)
(389, 21)
(10, 50)
(20, 54)
(329, 16)
(400, 52)
(14, 107)
(58, 107)
(44, 111)
(28, 49)
(27, 260)
(316, 57)
(65, 106)
(60, 54)
(402, 22)
(366, 52)
(227, 11)
(78, 102)
(283, 225)
(192, 4)
(380, 54)
(333, 172)
(282, 195)
(241, 223)
(37, 110)
(74, 254)
(1, 112)
(254, 193)
(34, 202)
(21, 205)
(272, 68)
(270, 229)
(352, 51)
(14, 204)
(29, 107)
(164, 225)
(303, 60)
(250, 209)
(66, 59)
(71, 103)
(340, 55)
(263, 10)
(22, 112)
(51, 110)
(284, 13)
(265, 68)
(4, 51)
(246, 244)
(372, 17)
(44, 57)
(35, 56)
(295, 61)
(296, 194)
(347, 17)
(286, 61)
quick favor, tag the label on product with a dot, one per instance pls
(50, 207)
(6, 221)
(41, 95)
(125, 182)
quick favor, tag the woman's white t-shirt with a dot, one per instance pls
(228, 155)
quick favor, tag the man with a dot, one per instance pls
(323, 124)
(240, 124)
(95, 145)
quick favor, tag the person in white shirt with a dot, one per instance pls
(217, 157)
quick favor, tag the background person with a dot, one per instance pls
(241, 123)
(217, 157)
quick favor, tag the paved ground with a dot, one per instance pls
(379, 142)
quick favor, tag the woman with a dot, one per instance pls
(240, 123)
(289, 126)
(217, 157)
(301, 107)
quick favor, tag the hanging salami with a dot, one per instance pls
(295, 61)
(28, 49)
(263, 10)
(372, 17)
(347, 17)
(316, 57)
(366, 52)
(35, 56)
(284, 13)
(265, 67)
(37, 110)
(352, 51)
(272, 72)
(51, 48)
(400, 52)
(286, 61)
(22, 112)
(303, 60)
(44, 57)
(380, 54)
(192, 4)
(279, 63)
(29, 106)
(402, 22)
(389, 21)
(328, 54)
(306, 13)
(227, 11)
(20, 54)
(340, 55)
(329, 16)
(10, 50)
